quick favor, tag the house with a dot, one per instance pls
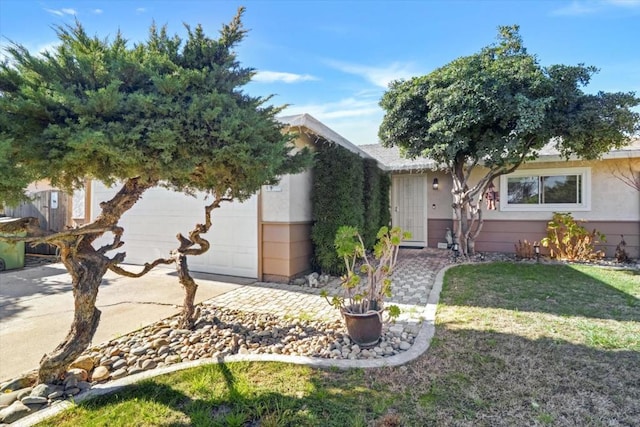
(591, 191)
(268, 236)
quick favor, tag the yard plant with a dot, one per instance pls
(515, 344)
(164, 112)
(496, 109)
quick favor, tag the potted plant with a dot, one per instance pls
(367, 282)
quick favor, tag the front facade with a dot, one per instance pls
(590, 190)
(268, 237)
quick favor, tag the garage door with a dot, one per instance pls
(154, 221)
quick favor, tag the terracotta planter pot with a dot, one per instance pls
(364, 329)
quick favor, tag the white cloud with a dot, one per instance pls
(586, 7)
(276, 76)
(355, 119)
(62, 12)
(577, 8)
(379, 76)
(98, 11)
(624, 3)
(141, 10)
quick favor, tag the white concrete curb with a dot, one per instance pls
(421, 344)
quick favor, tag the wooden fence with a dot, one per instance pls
(52, 208)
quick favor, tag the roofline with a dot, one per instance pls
(317, 127)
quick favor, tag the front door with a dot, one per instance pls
(408, 212)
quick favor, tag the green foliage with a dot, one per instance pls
(372, 199)
(498, 107)
(167, 110)
(570, 240)
(337, 200)
(385, 201)
(362, 295)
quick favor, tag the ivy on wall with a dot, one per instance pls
(347, 190)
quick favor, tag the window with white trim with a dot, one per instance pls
(546, 190)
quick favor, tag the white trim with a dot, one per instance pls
(584, 172)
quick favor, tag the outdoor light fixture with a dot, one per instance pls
(536, 248)
(455, 248)
(435, 183)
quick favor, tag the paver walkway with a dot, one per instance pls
(412, 282)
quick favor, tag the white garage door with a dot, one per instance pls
(154, 221)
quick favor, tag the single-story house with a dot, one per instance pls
(592, 191)
(268, 236)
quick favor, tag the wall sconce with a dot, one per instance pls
(435, 183)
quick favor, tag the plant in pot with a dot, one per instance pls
(367, 282)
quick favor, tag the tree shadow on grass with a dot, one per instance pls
(565, 290)
(472, 377)
(158, 402)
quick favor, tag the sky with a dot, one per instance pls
(334, 59)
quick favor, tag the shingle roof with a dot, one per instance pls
(393, 160)
(320, 129)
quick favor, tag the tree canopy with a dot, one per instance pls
(165, 110)
(497, 108)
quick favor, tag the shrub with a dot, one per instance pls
(525, 250)
(337, 199)
(569, 240)
(385, 202)
(371, 199)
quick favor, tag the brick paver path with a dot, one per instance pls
(412, 281)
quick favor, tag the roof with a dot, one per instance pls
(318, 128)
(393, 159)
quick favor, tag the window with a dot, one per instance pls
(546, 190)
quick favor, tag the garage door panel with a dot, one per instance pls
(152, 224)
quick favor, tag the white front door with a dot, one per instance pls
(408, 212)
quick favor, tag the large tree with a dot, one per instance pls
(165, 112)
(496, 108)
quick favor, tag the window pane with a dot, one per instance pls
(560, 189)
(523, 190)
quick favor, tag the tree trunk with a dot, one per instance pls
(190, 287)
(87, 266)
(87, 269)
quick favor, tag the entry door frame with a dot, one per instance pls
(410, 215)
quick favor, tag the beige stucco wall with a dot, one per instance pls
(611, 199)
(288, 201)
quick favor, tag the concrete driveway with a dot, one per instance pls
(36, 308)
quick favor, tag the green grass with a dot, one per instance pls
(515, 344)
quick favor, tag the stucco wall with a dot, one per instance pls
(614, 209)
(289, 200)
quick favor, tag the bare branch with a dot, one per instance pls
(147, 267)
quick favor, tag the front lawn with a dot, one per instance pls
(515, 344)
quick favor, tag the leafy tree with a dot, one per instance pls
(165, 112)
(496, 108)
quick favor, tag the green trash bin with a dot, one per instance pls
(11, 254)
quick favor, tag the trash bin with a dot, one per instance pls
(11, 254)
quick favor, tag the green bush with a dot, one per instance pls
(371, 199)
(385, 202)
(337, 200)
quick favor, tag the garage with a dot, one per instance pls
(154, 221)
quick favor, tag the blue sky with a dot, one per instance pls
(334, 59)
